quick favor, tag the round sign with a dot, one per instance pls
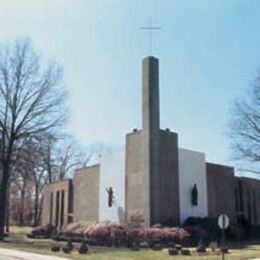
(223, 221)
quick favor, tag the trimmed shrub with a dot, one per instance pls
(185, 252)
(83, 249)
(224, 250)
(172, 251)
(43, 231)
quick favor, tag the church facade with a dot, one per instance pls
(152, 178)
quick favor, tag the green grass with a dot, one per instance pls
(19, 241)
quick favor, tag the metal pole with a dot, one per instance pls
(223, 237)
(223, 244)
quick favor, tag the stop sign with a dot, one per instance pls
(223, 221)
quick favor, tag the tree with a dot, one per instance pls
(31, 106)
(36, 164)
(69, 155)
(244, 130)
(22, 180)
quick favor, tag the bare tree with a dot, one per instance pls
(31, 99)
(69, 155)
(22, 175)
(244, 130)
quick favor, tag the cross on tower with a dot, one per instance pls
(150, 28)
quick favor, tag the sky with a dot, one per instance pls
(208, 50)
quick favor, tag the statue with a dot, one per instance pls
(194, 195)
(110, 193)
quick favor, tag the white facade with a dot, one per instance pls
(112, 174)
(192, 170)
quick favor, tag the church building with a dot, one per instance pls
(152, 178)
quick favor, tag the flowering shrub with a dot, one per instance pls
(106, 234)
(45, 231)
(161, 235)
(117, 235)
(73, 230)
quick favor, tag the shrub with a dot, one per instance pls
(201, 228)
(172, 251)
(117, 235)
(158, 235)
(73, 230)
(185, 252)
(83, 249)
(43, 231)
(196, 233)
(106, 234)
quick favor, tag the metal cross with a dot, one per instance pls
(150, 28)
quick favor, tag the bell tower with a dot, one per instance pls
(152, 159)
(150, 89)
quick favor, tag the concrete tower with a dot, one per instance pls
(151, 103)
(152, 159)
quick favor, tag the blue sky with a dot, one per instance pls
(208, 50)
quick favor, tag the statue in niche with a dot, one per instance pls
(110, 194)
(194, 195)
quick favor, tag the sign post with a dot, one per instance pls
(223, 223)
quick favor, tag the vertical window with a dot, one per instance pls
(51, 207)
(62, 208)
(254, 206)
(57, 208)
(236, 199)
(240, 191)
(249, 206)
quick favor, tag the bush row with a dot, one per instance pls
(117, 235)
(114, 234)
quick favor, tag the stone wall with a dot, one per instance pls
(86, 194)
(57, 203)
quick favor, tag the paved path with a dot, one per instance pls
(10, 254)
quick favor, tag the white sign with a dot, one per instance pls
(223, 221)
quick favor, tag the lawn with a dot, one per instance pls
(18, 240)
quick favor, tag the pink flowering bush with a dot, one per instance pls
(157, 235)
(106, 234)
(45, 231)
(73, 230)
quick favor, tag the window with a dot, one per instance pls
(62, 208)
(240, 192)
(249, 206)
(57, 208)
(237, 199)
(51, 207)
(254, 205)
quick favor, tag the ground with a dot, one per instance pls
(19, 241)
